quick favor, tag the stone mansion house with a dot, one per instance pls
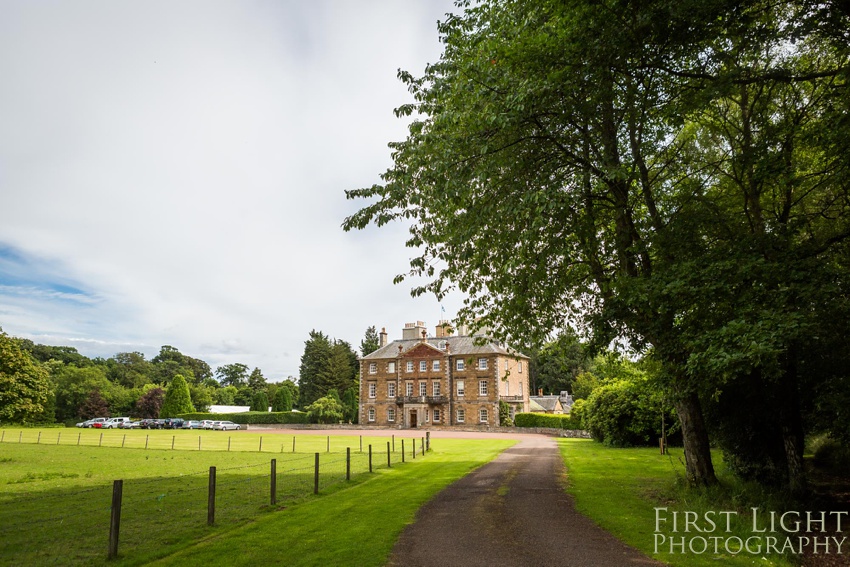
(440, 381)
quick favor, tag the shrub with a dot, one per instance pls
(177, 398)
(325, 410)
(554, 421)
(260, 402)
(626, 413)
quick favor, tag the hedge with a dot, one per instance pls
(554, 421)
(250, 417)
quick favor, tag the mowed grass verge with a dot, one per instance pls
(54, 498)
(353, 526)
(619, 489)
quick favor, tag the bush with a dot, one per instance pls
(251, 417)
(626, 413)
(553, 421)
(831, 454)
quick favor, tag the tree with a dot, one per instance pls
(150, 403)
(627, 162)
(294, 391)
(177, 400)
(556, 365)
(260, 402)
(282, 400)
(350, 399)
(93, 406)
(325, 410)
(256, 381)
(232, 374)
(24, 385)
(371, 342)
(325, 365)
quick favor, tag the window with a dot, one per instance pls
(391, 367)
(482, 364)
(459, 388)
(408, 388)
(460, 364)
(427, 417)
(519, 367)
(391, 414)
(435, 387)
(435, 366)
(371, 414)
(461, 415)
(410, 366)
(391, 389)
(423, 388)
(507, 388)
(423, 366)
(373, 389)
(436, 415)
(373, 368)
(482, 415)
(482, 387)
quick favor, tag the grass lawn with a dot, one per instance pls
(620, 489)
(55, 496)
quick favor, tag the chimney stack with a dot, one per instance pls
(383, 336)
(540, 392)
(424, 336)
(412, 330)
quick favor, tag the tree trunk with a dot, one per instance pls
(698, 467)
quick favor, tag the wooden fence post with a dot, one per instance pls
(199, 442)
(21, 437)
(293, 443)
(402, 450)
(348, 463)
(393, 443)
(422, 444)
(124, 440)
(370, 457)
(329, 443)
(3, 436)
(361, 443)
(261, 443)
(228, 444)
(428, 440)
(100, 443)
(147, 438)
(38, 441)
(173, 437)
(389, 461)
(58, 437)
(274, 482)
(211, 499)
(115, 519)
(316, 476)
(80, 434)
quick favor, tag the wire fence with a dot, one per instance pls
(72, 526)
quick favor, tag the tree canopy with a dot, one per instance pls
(670, 175)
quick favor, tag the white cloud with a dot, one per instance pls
(184, 165)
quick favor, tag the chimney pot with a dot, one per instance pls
(539, 391)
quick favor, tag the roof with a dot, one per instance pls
(460, 345)
(548, 403)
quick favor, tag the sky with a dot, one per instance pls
(173, 173)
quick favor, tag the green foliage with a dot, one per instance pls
(256, 381)
(226, 396)
(232, 374)
(556, 365)
(94, 406)
(505, 415)
(282, 400)
(325, 365)
(202, 396)
(371, 341)
(251, 418)
(24, 385)
(577, 413)
(325, 410)
(260, 402)
(554, 421)
(177, 400)
(626, 413)
(350, 400)
(583, 385)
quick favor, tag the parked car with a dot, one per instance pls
(115, 422)
(172, 423)
(207, 424)
(191, 424)
(131, 425)
(96, 422)
(225, 425)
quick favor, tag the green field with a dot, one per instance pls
(620, 488)
(55, 496)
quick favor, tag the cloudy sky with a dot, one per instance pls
(173, 173)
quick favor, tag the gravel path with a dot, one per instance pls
(512, 511)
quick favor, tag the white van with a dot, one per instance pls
(115, 422)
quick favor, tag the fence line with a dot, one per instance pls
(83, 526)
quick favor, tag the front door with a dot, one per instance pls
(413, 418)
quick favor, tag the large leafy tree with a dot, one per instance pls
(24, 385)
(325, 365)
(235, 374)
(612, 166)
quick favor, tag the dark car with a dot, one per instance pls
(172, 423)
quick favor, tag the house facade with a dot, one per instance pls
(440, 381)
